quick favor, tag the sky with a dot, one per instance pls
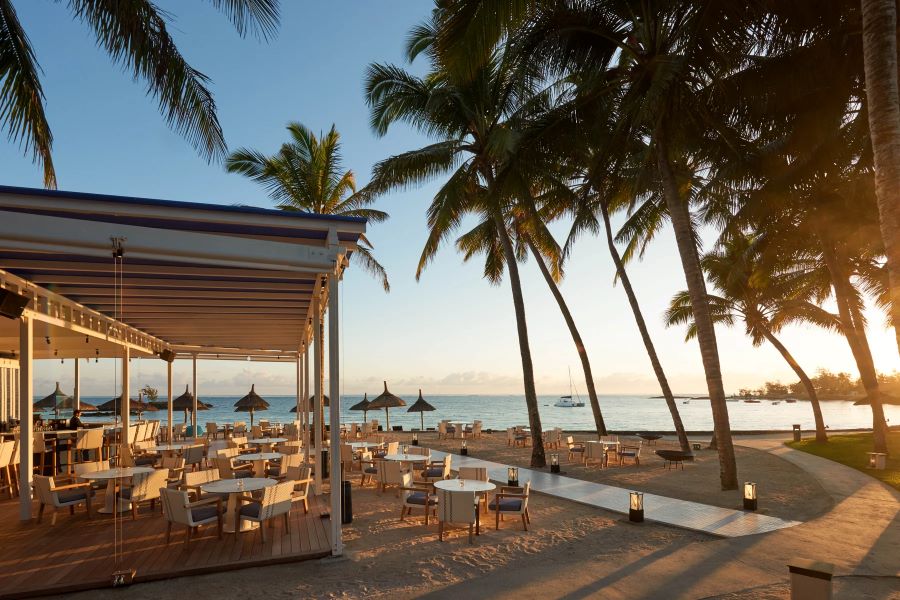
(449, 333)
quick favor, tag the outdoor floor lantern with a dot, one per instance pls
(415, 440)
(749, 495)
(464, 450)
(512, 476)
(554, 463)
(636, 507)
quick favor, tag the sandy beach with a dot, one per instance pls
(571, 550)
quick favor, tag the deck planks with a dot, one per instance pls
(77, 553)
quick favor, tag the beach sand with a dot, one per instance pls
(570, 551)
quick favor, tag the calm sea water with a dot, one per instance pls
(621, 413)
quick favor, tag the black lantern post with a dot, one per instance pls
(636, 507)
(464, 450)
(415, 440)
(554, 462)
(512, 476)
(750, 496)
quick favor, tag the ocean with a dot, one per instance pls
(621, 413)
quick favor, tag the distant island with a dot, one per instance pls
(829, 386)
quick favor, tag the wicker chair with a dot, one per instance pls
(437, 470)
(632, 452)
(178, 509)
(301, 476)
(575, 449)
(276, 501)
(194, 479)
(145, 488)
(512, 500)
(61, 496)
(417, 496)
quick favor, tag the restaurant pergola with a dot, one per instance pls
(121, 277)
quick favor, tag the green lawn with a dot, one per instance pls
(851, 450)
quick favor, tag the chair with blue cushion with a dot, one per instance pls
(417, 496)
(512, 500)
(457, 507)
(61, 496)
(177, 508)
(145, 488)
(437, 470)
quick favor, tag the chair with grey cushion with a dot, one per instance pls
(456, 507)
(512, 500)
(145, 488)
(61, 496)
(301, 476)
(576, 449)
(178, 509)
(276, 501)
(228, 470)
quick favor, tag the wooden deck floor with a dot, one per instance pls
(78, 554)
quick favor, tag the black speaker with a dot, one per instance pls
(167, 355)
(12, 304)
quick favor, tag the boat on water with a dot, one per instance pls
(790, 400)
(686, 402)
(774, 402)
(569, 402)
(573, 400)
(752, 401)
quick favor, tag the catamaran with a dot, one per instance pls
(573, 400)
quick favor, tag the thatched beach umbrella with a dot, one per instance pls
(421, 406)
(58, 401)
(364, 405)
(251, 403)
(185, 402)
(136, 406)
(386, 400)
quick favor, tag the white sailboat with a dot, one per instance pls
(573, 400)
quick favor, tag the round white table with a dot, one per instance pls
(266, 444)
(111, 475)
(406, 457)
(259, 460)
(467, 485)
(174, 447)
(235, 488)
(358, 445)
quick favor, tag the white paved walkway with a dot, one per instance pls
(713, 520)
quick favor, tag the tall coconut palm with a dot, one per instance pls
(469, 118)
(307, 175)
(879, 26)
(135, 35)
(765, 301)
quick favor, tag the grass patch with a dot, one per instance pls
(850, 450)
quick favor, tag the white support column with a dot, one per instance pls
(77, 396)
(299, 389)
(169, 405)
(196, 400)
(125, 457)
(26, 427)
(317, 385)
(305, 402)
(334, 392)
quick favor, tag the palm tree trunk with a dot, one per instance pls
(821, 436)
(706, 334)
(883, 102)
(858, 341)
(538, 459)
(576, 337)
(645, 334)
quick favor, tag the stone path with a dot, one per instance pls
(714, 520)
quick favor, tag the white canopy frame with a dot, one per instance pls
(203, 282)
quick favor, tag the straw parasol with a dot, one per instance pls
(312, 401)
(421, 406)
(136, 406)
(59, 400)
(250, 403)
(386, 400)
(185, 402)
(364, 405)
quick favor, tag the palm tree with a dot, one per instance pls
(471, 120)
(879, 26)
(135, 35)
(307, 175)
(762, 298)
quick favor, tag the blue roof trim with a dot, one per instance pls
(7, 189)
